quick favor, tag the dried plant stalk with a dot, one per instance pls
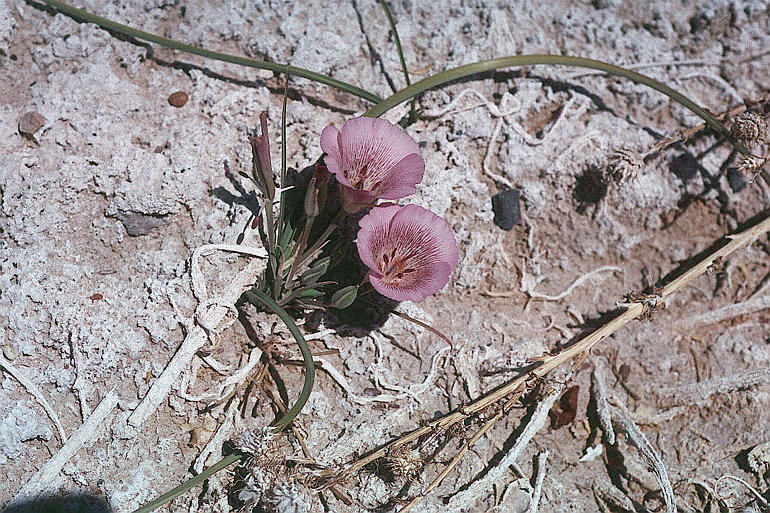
(516, 386)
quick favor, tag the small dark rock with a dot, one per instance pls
(735, 179)
(564, 412)
(178, 99)
(29, 123)
(507, 208)
(137, 224)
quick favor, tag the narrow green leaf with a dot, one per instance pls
(344, 297)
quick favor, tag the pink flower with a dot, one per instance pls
(371, 159)
(409, 250)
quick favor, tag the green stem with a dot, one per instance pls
(399, 49)
(277, 280)
(300, 248)
(322, 239)
(397, 39)
(563, 60)
(182, 488)
(255, 297)
(281, 207)
(87, 17)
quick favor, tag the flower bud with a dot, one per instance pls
(262, 168)
(312, 206)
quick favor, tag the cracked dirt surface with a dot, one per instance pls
(108, 189)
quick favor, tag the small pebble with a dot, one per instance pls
(29, 123)
(178, 99)
(735, 179)
(507, 208)
(9, 353)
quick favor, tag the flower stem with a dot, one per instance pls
(562, 60)
(182, 488)
(114, 26)
(255, 297)
(399, 49)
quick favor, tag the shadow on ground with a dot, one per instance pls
(69, 503)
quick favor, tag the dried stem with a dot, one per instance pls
(462, 500)
(85, 16)
(603, 410)
(516, 386)
(648, 452)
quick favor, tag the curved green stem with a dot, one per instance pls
(182, 488)
(562, 60)
(255, 297)
(396, 39)
(400, 51)
(87, 17)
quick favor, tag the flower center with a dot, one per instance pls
(362, 178)
(394, 267)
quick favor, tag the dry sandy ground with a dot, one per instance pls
(103, 206)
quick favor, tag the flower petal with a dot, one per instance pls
(430, 280)
(330, 145)
(410, 250)
(373, 233)
(412, 219)
(384, 140)
(403, 177)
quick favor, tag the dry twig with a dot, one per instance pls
(43, 478)
(603, 410)
(649, 453)
(36, 393)
(514, 388)
(725, 313)
(753, 490)
(209, 316)
(470, 496)
(697, 392)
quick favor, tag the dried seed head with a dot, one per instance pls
(256, 484)
(623, 165)
(751, 163)
(263, 467)
(288, 497)
(403, 462)
(749, 127)
(263, 446)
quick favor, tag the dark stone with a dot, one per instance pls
(507, 208)
(29, 123)
(735, 179)
(137, 224)
(178, 99)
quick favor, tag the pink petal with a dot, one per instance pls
(374, 230)
(330, 145)
(412, 218)
(403, 177)
(418, 240)
(431, 280)
(389, 142)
